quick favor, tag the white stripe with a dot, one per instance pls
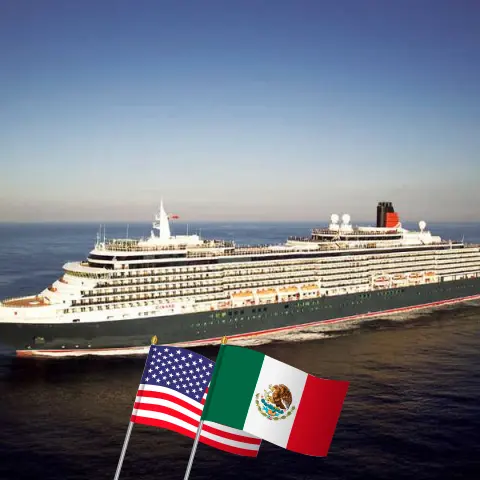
(272, 373)
(191, 428)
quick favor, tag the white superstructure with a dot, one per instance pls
(125, 279)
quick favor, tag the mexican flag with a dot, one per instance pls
(274, 401)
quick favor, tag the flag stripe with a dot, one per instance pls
(193, 419)
(219, 407)
(207, 427)
(166, 399)
(149, 416)
(317, 416)
(191, 434)
(148, 390)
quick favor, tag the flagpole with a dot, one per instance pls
(129, 432)
(197, 438)
(124, 450)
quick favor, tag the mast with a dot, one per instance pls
(162, 224)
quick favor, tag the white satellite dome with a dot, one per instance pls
(334, 218)
(345, 218)
(422, 224)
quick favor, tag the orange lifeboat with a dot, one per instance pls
(415, 275)
(381, 281)
(266, 291)
(52, 288)
(310, 287)
(245, 294)
(289, 290)
(430, 274)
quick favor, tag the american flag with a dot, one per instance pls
(172, 393)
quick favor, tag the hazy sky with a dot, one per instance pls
(239, 109)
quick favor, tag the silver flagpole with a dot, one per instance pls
(129, 431)
(124, 450)
(197, 438)
(194, 449)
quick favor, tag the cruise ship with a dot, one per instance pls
(188, 291)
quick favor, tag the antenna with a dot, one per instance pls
(127, 230)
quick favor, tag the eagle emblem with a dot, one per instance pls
(275, 403)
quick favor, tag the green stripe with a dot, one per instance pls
(232, 387)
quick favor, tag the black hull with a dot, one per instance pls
(197, 328)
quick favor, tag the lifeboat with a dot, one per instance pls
(242, 294)
(310, 287)
(266, 292)
(52, 288)
(415, 275)
(430, 274)
(288, 290)
(399, 276)
(381, 281)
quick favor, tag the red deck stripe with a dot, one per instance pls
(262, 332)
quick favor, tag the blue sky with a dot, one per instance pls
(239, 110)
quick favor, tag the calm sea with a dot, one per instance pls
(412, 410)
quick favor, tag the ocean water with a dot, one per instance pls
(412, 409)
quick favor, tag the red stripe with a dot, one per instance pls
(207, 441)
(171, 398)
(317, 416)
